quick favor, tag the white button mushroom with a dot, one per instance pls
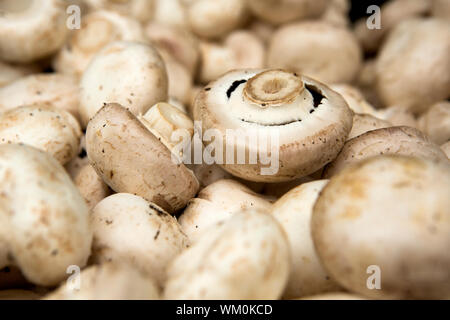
(317, 49)
(363, 123)
(91, 186)
(171, 13)
(52, 130)
(308, 120)
(44, 222)
(129, 73)
(436, 122)
(109, 281)
(240, 50)
(131, 159)
(31, 29)
(218, 202)
(355, 99)
(412, 66)
(245, 257)
(398, 116)
(98, 29)
(293, 211)
(404, 141)
(283, 11)
(131, 229)
(382, 228)
(56, 90)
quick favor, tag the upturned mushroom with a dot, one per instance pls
(316, 49)
(98, 29)
(31, 29)
(293, 211)
(412, 66)
(245, 257)
(240, 50)
(218, 202)
(404, 141)
(127, 228)
(129, 73)
(436, 122)
(382, 228)
(44, 221)
(296, 122)
(131, 159)
(109, 281)
(278, 12)
(54, 89)
(213, 19)
(52, 130)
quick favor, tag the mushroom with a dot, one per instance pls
(278, 12)
(355, 99)
(44, 222)
(382, 228)
(305, 122)
(98, 29)
(263, 30)
(218, 202)
(129, 73)
(293, 211)
(436, 122)
(337, 13)
(170, 12)
(131, 159)
(316, 49)
(52, 130)
(213, 19)
(127, 228)
(141, 10)
(398, 116)
(446, 148)
(10, 72)
(31, 29)
(109, 281)
(241, 49)
(54, 89)
(365, 82)
(209, 174)
(245, 257)
(404, 141)
(412, 66)
(363, 123)
(91, 186)
(392, 13)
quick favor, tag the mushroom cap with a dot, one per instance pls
(129, 228)
(141, 10)
(363, 123)
(391, 212)
(404, 141)
(307, 120)
(282, 11)
(412, 66)
(293, 211)
(436, 122)
(218, 202)
(316, 49)
(171, 13)
(31, 29)
(98, 29)
(91, 186)
(354, 98)
(399, 116)
(54, 89)
(212, 19)
(131, 159)
(129, 73)
(109, 281)
(44, 221)
(52, 130)
(245, 257)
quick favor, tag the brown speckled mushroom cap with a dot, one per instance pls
(404, 141)
(311, 121)
(131, 159)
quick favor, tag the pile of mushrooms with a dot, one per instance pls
(226, 149)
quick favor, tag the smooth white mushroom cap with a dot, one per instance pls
(129, 228)
(436, 122)
(129, 73)
(246, 257)
(44, 224)
(293, 211)
(31, 29)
